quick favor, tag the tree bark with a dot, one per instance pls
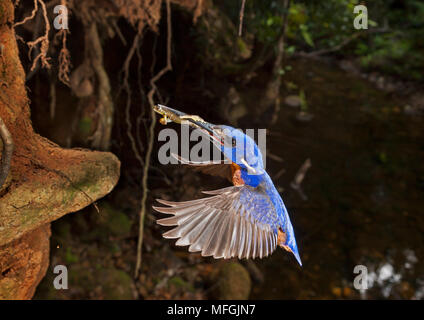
(45, 181)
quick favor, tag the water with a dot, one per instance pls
(365, 191)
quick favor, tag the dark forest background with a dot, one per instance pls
(346, 105)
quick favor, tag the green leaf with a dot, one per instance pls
(306, 35)
(291, 49)
(372, 23)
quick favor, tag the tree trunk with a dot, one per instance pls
(45, 181)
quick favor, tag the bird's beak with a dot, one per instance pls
(206, 126)
(211, 130)
(216, 135)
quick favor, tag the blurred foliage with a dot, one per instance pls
(397, 48)
(214, 37)
(303, 102)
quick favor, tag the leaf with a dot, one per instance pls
(306, 35)
(303, 102)
(291, 49)
(372, 23)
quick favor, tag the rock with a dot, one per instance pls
(255, 273)
(92, 282)
(116, 285)
(293, 101)
(233, 282)
(180, 284)
(114, 222)
(303, 116)
(23, 263)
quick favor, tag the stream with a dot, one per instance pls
(365, 191)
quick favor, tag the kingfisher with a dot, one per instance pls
(246, 220)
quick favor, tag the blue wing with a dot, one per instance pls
(240, 221)
(225, 225)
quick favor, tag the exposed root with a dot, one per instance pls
(150, 96)
(30, 17)
(64, 55)
(140, 12)
(43, 40)
(6, 155)
(101, 138)
(198, 11)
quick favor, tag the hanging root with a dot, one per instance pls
(64, 59)
(150, 95)
(300, 175)
(43, 40)
(30, 17)
(126, 87)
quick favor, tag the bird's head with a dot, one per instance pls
(239, 149)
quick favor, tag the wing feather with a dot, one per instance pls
(223, 225)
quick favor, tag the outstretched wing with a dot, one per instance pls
(238, 221)
(221, 169)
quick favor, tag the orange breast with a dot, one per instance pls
(236, 175)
